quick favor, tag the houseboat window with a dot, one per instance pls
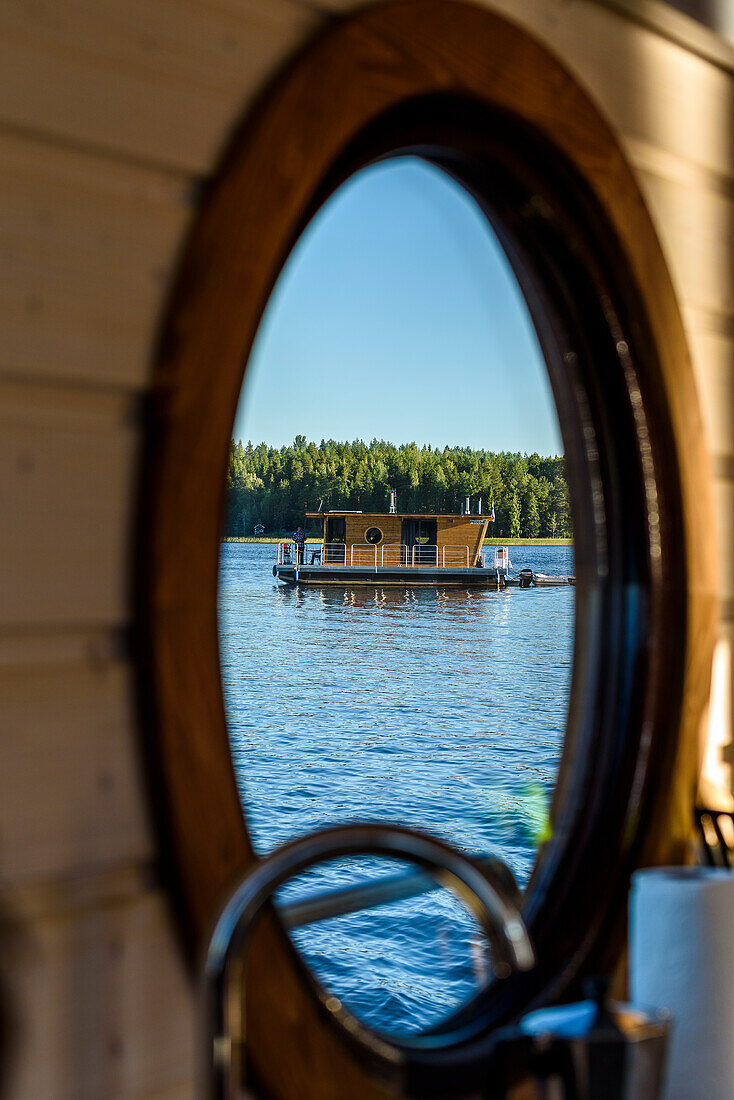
(336, 529)
(398, 441)
(419, 532)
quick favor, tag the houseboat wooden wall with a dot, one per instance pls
(357, 527)
(451, 530)
(462, 532)
(112, 115)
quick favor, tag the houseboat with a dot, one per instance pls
(392, 548)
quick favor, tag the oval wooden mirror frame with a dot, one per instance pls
(467, 90)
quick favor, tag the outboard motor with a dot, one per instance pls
(526, 578)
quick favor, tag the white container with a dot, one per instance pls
(682, 959)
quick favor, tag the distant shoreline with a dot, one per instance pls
(487, 542)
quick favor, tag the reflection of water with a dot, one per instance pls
(438, 708)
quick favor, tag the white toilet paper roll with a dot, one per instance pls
(682, 959)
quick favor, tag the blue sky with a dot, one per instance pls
(397, 317)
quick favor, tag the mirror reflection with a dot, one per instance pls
(395, 612)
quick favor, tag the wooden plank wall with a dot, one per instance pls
(459, 533)
(357, 527)
(111, 113)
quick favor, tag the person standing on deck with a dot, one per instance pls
(299, 538)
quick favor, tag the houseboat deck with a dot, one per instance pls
(387, 575)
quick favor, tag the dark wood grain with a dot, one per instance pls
(279, 167)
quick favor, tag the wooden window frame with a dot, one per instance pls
(482, 99)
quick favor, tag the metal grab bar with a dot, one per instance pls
(381, 891)
(486, 893)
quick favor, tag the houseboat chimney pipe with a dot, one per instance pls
(467, 508)
(479, 507)
(393, 509)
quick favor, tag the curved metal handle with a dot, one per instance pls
(484, 891)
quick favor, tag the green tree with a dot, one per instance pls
(531, 518)
(269, 485)
(515, 524)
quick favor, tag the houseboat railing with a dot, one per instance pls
(502, 561)
(425, 555)
(456, 556)
(394, 554)
(334, 553)
(286, 553)
(363, 554)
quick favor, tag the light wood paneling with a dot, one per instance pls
(67, 479)
(696, 229)
(102, 1002)
(87, 247)
(166, 81)
(650, 158)
(90, 190)
(23, 650)
(713, 362)
(162, 81)
(722, 703)
(90, 242)
(73, 796)
(724, 498)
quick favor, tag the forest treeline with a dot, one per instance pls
(270, 486)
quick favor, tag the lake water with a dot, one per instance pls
(442, 709)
